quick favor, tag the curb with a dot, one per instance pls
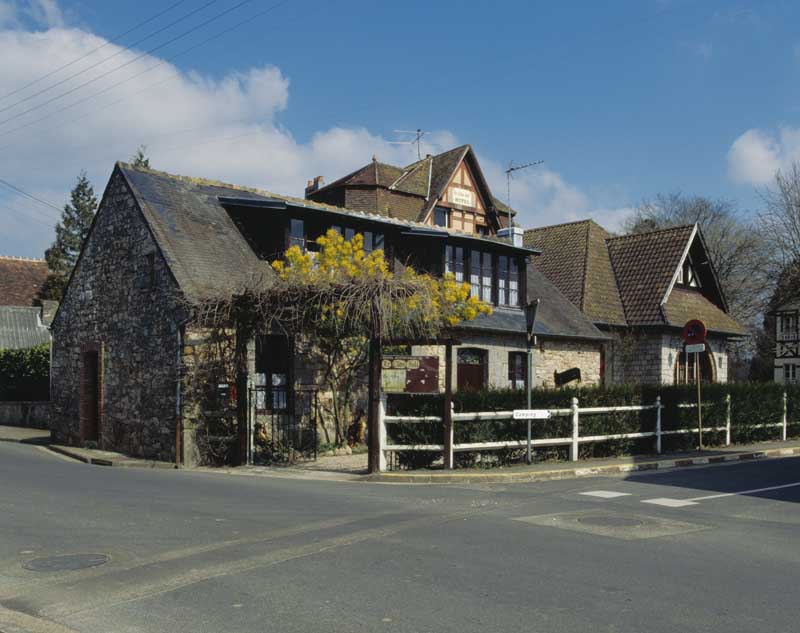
(576, 473)
(125, 462)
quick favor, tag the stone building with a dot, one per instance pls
(641, 289)
(160, 242)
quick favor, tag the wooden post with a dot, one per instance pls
(785, 416)
(699, 403)
(447, 414)
(658, 425)
(373, 419)
(382, 432)
(575, 431)
(728, 420)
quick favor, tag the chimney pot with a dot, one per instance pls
(313, 185)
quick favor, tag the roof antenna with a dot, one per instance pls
(418, 134)
(509, 175)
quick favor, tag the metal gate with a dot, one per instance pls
(281, 424)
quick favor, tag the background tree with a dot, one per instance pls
(736, 247)
(140, 158)
(71, 231)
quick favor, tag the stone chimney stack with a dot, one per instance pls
(314, 185)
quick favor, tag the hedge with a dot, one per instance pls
(25, 373)
(751, 404)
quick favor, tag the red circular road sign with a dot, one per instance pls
(694, 332)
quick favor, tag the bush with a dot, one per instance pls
(25, 373)
(752, 404)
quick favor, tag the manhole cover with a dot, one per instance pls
(601, 521)
(68, 562)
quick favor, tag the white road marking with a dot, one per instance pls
(670, 503)
(679, 503)
(605, 494)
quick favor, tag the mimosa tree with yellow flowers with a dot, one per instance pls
(333, 302)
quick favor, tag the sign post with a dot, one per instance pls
(530, 322)
(694, 335)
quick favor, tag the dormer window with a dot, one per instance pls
(687, 275)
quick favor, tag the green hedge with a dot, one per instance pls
(25, 373)
(751, 404)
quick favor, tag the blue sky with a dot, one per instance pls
(621, 99)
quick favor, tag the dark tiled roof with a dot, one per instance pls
(556, 317)
(644, 264)
(21, 280)
(21, 327)
(685, 304)
(374, 173)
(202, 246)
(575, 258)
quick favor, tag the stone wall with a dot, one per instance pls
(649, 357)
(30, 414)
(551, 355)
(112, 306)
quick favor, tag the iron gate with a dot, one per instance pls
(282, 424)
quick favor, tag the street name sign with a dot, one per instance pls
(531, 414)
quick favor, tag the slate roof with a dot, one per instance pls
(21, 328)
(426, 178)
(556, 317)
(644, 264)
(624, 280)
(20, 280)
(575, 258)
(204, 249)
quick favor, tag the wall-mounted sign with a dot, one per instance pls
(464, 197)
(567, 376)
(410, 374)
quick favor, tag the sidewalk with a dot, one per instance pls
(596, 467)
(353, 467)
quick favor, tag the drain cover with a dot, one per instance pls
(604, 521)
(68, 562)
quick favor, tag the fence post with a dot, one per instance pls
(382, 433)
(658, 425)
(785, 408)
(728, 420)
(574, 448)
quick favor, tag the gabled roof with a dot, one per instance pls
(426, 178)
(630, 279)
(21, 328)
(21, 280)
(645, 264)
(574, 257)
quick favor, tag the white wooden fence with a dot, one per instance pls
(574, 441)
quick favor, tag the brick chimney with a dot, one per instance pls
(314, 185)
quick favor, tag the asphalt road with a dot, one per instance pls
(202, 552)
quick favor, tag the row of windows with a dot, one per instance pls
(298, 237)
(482, 267)
(444, 217)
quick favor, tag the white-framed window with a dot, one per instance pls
(790, 373)
(687, 275)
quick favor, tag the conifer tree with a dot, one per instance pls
(71, 231)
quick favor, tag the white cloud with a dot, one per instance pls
(756, 155)
(223, 128)
(40, 13)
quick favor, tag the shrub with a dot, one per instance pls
(25, 373)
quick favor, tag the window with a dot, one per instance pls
(297, 233)
(486, 277)
(788, 329)
(441, 216)
(454, 262)
(687, 276)
(372, 241)
(507, 281)
(517, 370)
(349, 233)
(482, 229)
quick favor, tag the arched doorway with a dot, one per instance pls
(472, 369)
(684, 371)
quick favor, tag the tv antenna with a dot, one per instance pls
(418, 134)
(509, 175)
